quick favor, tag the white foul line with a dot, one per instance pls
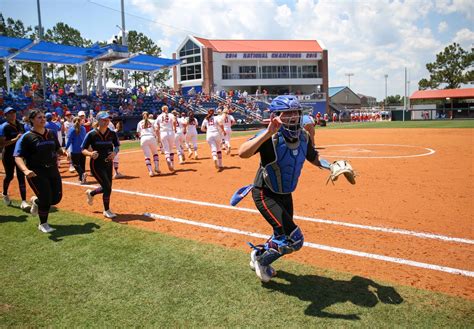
(320, 246)
(309, 219)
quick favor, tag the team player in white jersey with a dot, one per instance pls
(179, 136)
(147, 134)
(190, 130)
(227, 121)
(214, 132)
(165, 126)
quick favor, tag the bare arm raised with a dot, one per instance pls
(249, 148)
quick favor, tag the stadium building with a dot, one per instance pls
(275, 66)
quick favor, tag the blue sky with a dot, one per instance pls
(368, 38)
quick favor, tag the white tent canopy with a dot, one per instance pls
(112, 85)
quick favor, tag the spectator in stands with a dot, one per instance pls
(85, 121)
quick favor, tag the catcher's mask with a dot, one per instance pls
(290, 111)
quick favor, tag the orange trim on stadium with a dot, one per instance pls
(443, 93)
(249, 46)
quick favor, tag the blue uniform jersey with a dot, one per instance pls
(281, 162)
(75, 140)
(10, 131)
(38, 150)
(104, 143)
(52, 126)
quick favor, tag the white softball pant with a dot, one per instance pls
(149, 146)
(167, 139)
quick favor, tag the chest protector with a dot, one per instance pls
(282, 175)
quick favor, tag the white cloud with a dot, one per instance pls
(465, 38)
(369, 38)
(442, 26)
(283, 16)
(465, 7)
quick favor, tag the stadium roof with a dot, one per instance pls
(145, 63)
(334, 90)
(20, 49)
(443, 93)
(250, 46)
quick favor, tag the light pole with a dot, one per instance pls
(385, 100)
(124, 42)
(349, 77)
(40, 36)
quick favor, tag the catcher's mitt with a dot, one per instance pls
(341, 167)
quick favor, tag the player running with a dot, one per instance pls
(10, 133)
(147, 134)
(190, 128)
(214, 130)
(105, 146)
(283, 146)
(36, 154)
(227, 121)
(165, 125)
(179, 137)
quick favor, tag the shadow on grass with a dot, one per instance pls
(67, 230)
(323, 292)
(125, 218)
(17, 219)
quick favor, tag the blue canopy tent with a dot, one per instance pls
(26, 50)
(144, 63)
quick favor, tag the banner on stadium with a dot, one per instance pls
(312, 56)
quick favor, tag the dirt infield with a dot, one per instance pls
(412, 180)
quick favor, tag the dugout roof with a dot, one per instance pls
(443, 94)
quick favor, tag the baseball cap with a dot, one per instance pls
(81, 113)
(48, 115)
(8, 109)
(102, 115)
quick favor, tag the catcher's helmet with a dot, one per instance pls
(291, 126)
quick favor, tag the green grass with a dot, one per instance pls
(96, 274)
(401, 124)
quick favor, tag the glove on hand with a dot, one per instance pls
(341, 167)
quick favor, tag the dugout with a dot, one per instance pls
(442, 104)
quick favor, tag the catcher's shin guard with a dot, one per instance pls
(277, 246)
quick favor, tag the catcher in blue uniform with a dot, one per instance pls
(283, 146)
